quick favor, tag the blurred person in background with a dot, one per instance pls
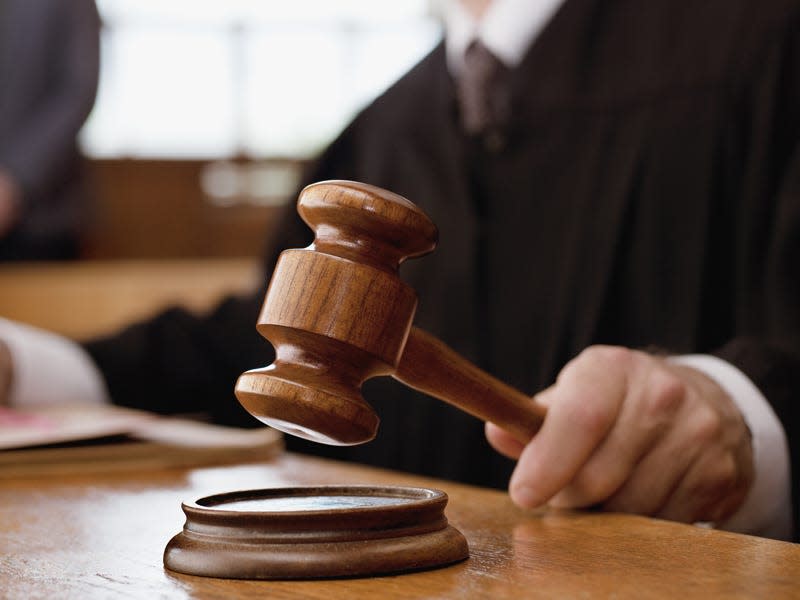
(49, 62)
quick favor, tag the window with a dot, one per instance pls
(245, 78)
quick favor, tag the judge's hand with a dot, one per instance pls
(631, 432)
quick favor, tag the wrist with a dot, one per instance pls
(766, 510)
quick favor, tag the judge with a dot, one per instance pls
(617, 187)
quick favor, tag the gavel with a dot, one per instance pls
(337, 314)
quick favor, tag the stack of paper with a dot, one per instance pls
(81, 438)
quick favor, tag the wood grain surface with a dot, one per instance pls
(103, 537)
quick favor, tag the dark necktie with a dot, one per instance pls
(483, 92)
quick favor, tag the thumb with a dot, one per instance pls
(502, 441)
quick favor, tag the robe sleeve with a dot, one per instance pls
(768, 351)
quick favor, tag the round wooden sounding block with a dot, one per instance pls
(315, 532)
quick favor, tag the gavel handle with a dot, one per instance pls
(432, 367)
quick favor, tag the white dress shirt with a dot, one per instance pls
(48, 368)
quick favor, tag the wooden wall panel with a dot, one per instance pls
(158, 209)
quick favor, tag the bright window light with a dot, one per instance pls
(255, 78)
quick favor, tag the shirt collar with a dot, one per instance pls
(508, 28)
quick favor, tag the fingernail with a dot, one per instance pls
(525, 497)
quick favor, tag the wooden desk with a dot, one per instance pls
(85, 299)
(103, 537)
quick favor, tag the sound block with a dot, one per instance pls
(315, 532)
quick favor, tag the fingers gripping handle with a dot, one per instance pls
(432, 367)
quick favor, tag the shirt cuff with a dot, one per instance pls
(49, 369)
(766, 510)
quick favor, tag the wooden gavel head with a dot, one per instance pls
(337, 312)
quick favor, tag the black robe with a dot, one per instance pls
(646, 192)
